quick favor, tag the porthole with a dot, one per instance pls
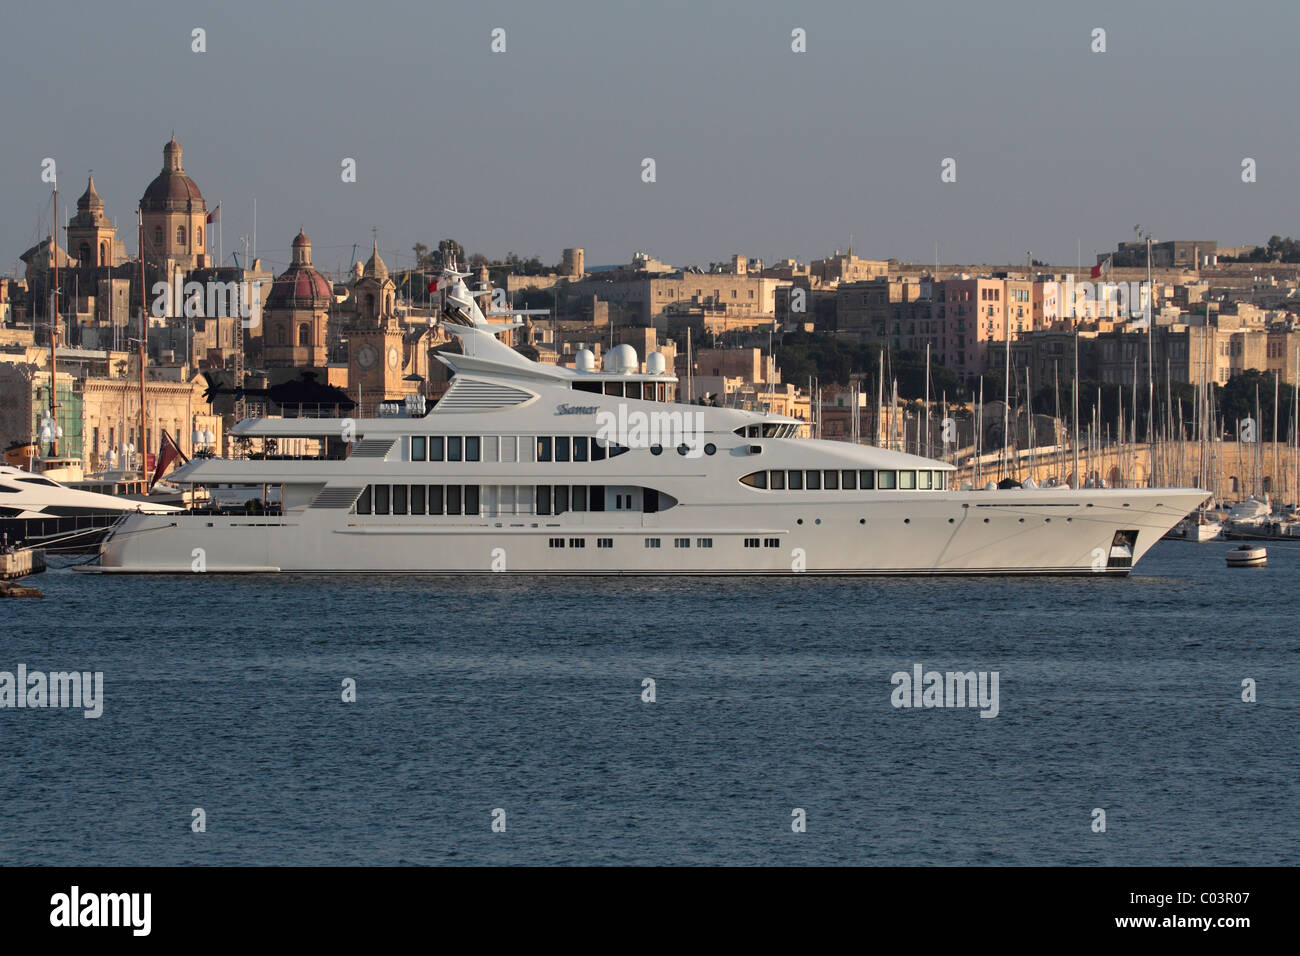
(656, 449)
(862, 521)
(951, 520)
(710, 449)
(798, 520)
(907, 521)
(986, 520)
(683, 448)
(818, 521)
(1022, 520)
(1047, 521)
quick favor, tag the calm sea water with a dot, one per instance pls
(524, 694)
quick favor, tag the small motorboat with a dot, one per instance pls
(1247, 556)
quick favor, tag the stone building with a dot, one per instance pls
(92, 237)
(296, 313)
(175, 217)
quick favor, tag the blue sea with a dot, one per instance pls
(524, 695)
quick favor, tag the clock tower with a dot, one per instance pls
(380, 357)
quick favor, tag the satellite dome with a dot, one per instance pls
(621, 360)
(655, 363)
(585, 360)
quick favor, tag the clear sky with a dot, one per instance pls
(757, 149)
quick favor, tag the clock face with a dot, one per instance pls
(393, 357)
(367, 356)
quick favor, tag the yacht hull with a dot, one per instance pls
(1017, 531)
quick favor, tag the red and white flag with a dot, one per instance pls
(215, 215)
(1102, 268)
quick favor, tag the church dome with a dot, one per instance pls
(300, 286)
(172, 189)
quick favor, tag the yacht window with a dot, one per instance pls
(773, 430)
(633, 390)
(751, 542)
(604, 542)
(436, 500)
(587, 387)
(472, 448)
(866, 480)
(597, 450)
(907, 480)
(561, 499)
(941, 480)
(490, 443)
(544, 448)
(757, 479)
(778, 480)
(453, 499)
(38, 481)
(661, 392)
(831, 480)
(814, 480)
(381, 499)
(614, 388)
(649, 500)
(681, 542)
(652, 542)
(579, 497)
(435, 448)
(363, 503)
(849, 480)
(580, 448)
(596, 497)
(419, 446)
(562, 448)
(923, 480)
(399, 499)
(417, 499)
(794, 480)
(887, 480)
(704, 542)
(471, 499)
(543, 499)
(616, 450)
(508, 448)
(454, 448)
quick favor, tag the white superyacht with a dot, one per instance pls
(534, 468)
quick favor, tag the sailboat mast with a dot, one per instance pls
(143, 354)
(54, 332)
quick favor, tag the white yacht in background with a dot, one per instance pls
(526, 467)
(36, 509)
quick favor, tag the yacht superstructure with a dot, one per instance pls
(526, 467)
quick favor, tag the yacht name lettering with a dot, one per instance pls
(576, 409)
